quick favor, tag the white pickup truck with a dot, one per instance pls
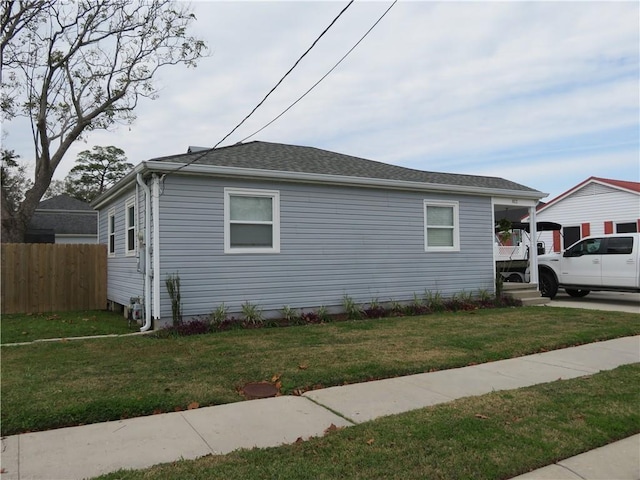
(606, 262)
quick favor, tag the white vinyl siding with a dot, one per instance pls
(594, 204)
(130, 226)
(441, 226)
(251, 221)
(111, 226)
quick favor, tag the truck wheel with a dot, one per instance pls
(548, 285)
(514, 278)
(577, 293)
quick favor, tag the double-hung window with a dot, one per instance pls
(130, 225)
(111, 229)
(251, 221)
(442, 233)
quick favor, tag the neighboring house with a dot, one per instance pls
(596, 206)
(63, 219)
(277, 225)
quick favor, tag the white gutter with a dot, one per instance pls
(147, 253)
(155, 209)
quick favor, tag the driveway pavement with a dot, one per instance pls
(612, 301)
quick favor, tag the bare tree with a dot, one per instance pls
(73, 67)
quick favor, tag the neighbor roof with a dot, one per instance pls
(293, 158)
(64, 202)
(65, 215)
(633, 187)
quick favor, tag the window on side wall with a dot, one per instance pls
(630, 227)
(441, 226)
(251, 221)
(130, 225)
(111, 224)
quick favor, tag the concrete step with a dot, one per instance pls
(527, 293)
(528, 302)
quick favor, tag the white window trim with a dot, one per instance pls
(275, 205)
(131, 202)
(111, 214)
(456, 225)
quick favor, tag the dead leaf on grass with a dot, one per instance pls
(177, 409)
(370, 441)
(157, 411)
(332, 428)
(193, 406)
(480, 416)
(276, 377)
(299, 440)
(303, 366)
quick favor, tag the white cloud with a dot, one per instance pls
(438, 86)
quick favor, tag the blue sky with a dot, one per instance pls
(542, 93)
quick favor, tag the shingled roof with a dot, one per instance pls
(293, 158)
(65, 215)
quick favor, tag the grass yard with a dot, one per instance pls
(495, 436)
(50, 385)
(16, 328)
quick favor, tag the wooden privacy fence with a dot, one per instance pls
(45, 277)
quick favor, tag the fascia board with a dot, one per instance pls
(219, 171)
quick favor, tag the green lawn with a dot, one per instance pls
(50, 385)
(15, 328)
(495, 436)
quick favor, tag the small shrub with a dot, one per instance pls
(323, 314)
(460, 301)
(172, 283)
(434, 301)
(310, 318)
(219, 315)
(416, 307)
(352, 310)
(484, 296)
(375, 310)
(397, 310)
(252, 314)
(289, 314)
(184, 329)
(507, 301)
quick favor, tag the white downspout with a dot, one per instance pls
(533, 248)
(155, 186)
(147, 253)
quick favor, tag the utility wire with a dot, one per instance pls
(270, 91)
(324, 76)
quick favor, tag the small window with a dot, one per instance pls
(130, 222)
(441, 226)
(630, 227)
(111, 223)
(619, 245)
(251, 221)
(570, 235)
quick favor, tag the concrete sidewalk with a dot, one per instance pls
(91, 450)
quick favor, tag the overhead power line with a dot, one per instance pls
(270, 91)
(324, 76)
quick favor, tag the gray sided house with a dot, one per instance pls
(275, 225)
